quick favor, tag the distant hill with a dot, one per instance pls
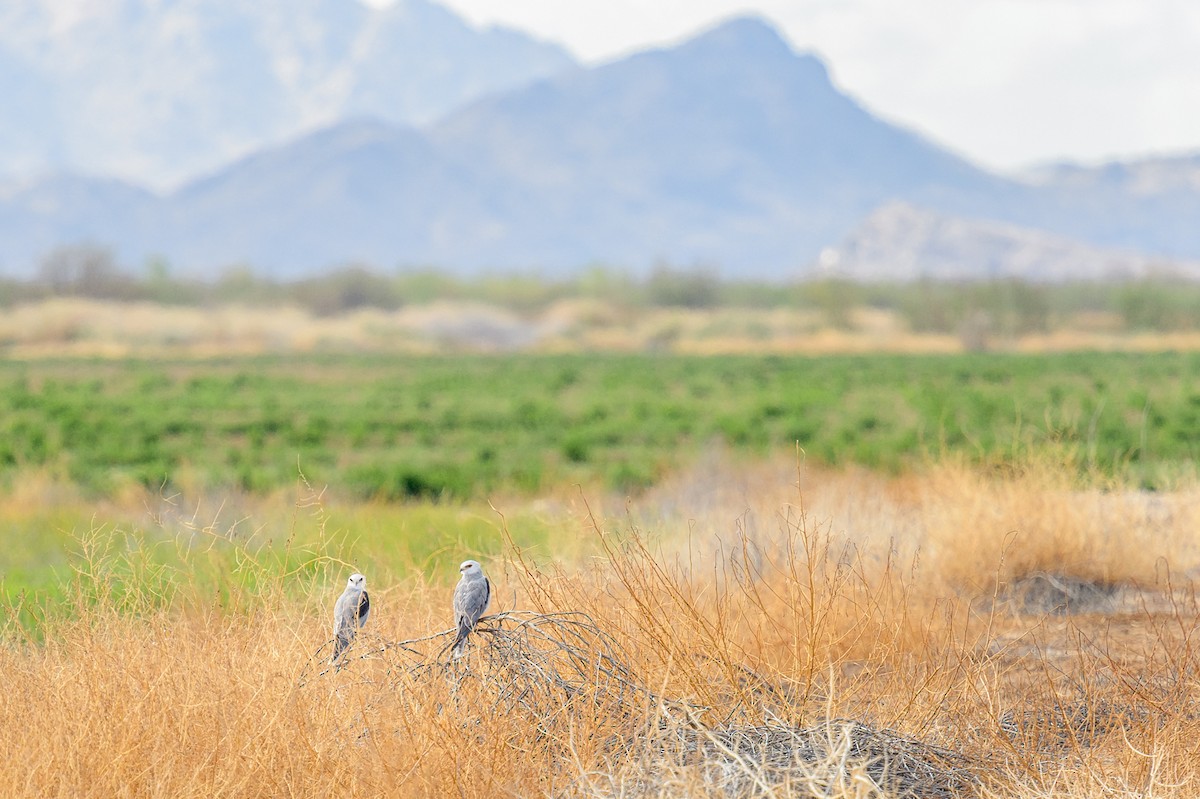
(900, 242)
(157, 91)
(39, 216)
(730, 151)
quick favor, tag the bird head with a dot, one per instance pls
(471, 568)
(357, 581)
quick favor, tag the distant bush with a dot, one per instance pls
(239, 284)
(1159, 305)
(835, 298)
(672, 287)
(346, 289)
(15, 292)
(399, 483)
(86, 271)
(977, 310)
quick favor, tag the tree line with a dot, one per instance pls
(1004, 307)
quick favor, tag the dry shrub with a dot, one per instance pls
(838, 758)
(958, 529)
(983, 532)
(665, 701)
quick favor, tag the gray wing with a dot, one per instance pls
(345, 611)
(471, 599)
(349, 613)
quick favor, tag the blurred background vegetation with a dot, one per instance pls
(973, 310)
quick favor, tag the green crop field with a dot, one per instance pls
(389, 428)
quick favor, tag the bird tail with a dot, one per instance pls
(340, 643)
(460, 640)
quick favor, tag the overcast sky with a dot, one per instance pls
(1007, 83)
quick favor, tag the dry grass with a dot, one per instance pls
(730, 635)
(91, 328)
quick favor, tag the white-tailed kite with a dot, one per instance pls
(350, 613)
(471, 598)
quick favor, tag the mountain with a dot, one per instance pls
(1150, 204)
(730, 150)
(160, 90)
(899, 242)
(361, 191)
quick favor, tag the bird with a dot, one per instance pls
(349, 613)
(471, 598)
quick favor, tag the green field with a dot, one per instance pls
(376, 427)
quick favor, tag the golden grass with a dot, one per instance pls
(781, 632)
(91, 328)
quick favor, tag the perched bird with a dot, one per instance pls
(471, 598)
(350, 613)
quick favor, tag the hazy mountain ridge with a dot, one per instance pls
(1152, 204)
(902, 242)
(1155, 175)
(159, 91)
(729, 150)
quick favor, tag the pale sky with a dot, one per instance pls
(1007, 83)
